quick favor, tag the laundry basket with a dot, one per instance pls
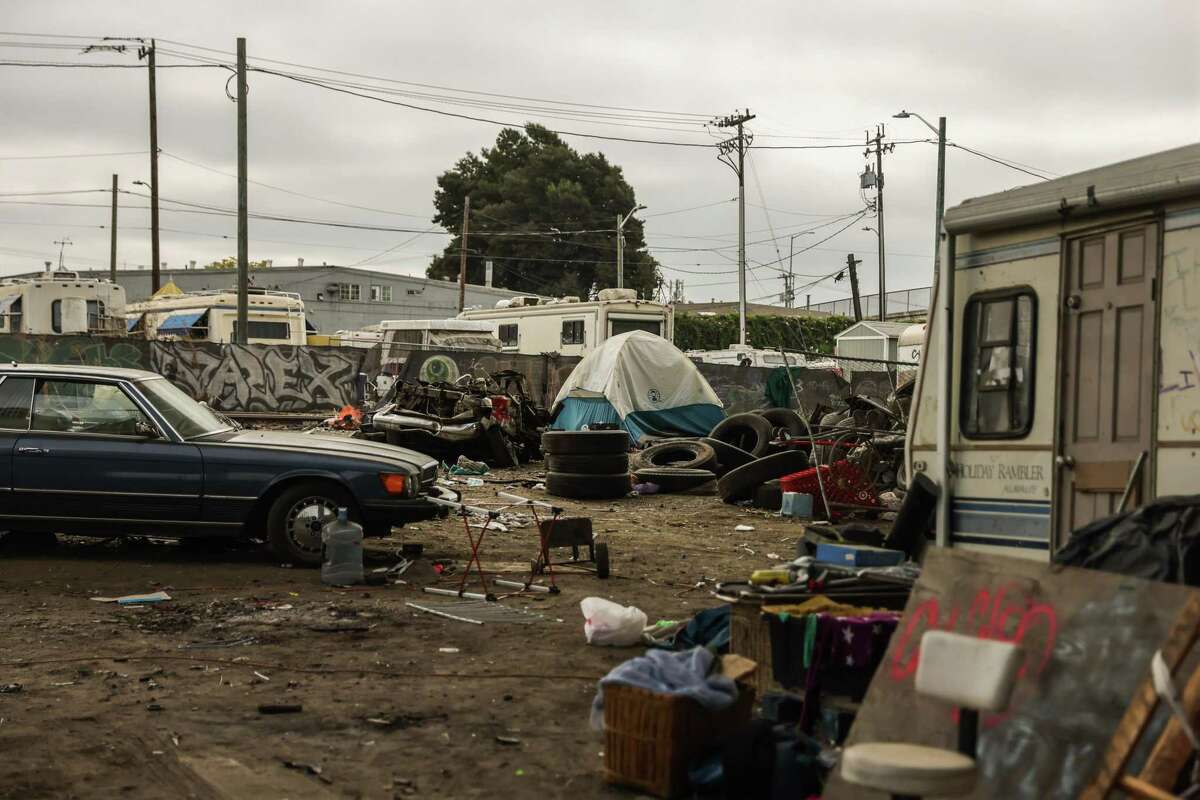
(652, 738)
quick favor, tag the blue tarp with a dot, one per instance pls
(181, 322)
(694, 420)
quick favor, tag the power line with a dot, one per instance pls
(75, 155)
(996, 160)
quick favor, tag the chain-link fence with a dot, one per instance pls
(900, 303)
(819, 375)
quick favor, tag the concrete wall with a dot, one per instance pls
(412, 297)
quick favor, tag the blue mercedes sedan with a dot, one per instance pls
(100, 451)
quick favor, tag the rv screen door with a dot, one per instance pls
(1107, 373)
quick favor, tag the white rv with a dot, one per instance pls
(61, 302)
(570, 326)
(274, 317)
(1072, 376)
(451, 334)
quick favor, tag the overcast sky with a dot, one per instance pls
(1059, 86)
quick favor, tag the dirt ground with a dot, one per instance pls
(163, 701)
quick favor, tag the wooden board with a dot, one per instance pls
(1087, 638)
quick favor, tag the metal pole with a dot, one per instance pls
(879, 207)
(941, 194)
(112, 243)
(243, 256)
(789, 294)
(462, 257)
(945, 412)
(620, 255)
(154, 249)
(741, 173)
(852, 263)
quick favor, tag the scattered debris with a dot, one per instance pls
(744, 528)
(509, 740)
(307, 769)
(135, 599)
(10, 688)
(280, 708)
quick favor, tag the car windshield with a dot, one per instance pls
(189, 418)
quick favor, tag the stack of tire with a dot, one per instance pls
(761, 463)
(677, 465)
(587, 465)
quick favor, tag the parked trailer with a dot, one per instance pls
(1073, 371)
(569, 326)
(61, 302)
(273, 317)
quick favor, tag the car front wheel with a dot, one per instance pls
(300, 514)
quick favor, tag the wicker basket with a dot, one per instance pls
(652, 738)
(750, 636)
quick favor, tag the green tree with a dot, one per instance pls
(815, 334)
(230, 262)
(527, 184)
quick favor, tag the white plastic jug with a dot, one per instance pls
(342, 540)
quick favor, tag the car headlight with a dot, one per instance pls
(394, 483)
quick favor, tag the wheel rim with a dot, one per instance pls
(306, 519)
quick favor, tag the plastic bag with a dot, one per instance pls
(610, 624)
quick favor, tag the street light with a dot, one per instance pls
(944, 281)
(940, 130)
(621, 220)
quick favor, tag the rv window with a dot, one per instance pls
(14, 316)
(265, 330)
(572, 332)
(15, 396)
(56, 316)
(508, 335)
(96, 315)
(619, 326)
(997, 377)
(404, 337)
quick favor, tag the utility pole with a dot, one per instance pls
(941, 194)
(726, 149)
(620, 255)
(112, 244)
(852, 265)
(148, 54)
(62, 243)
(880, 148)
(462, 256)
(243, 256)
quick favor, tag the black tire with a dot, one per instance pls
(769, 496)
(608, 464)
(739, 484)
(585, 442)
(602, 564)
(674, 479)
(681, 453)
(502, 453)
(588, 487)
(750, 432)
(293, 523)
(784, 418)
(728, 456)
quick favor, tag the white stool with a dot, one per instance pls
(973, 674)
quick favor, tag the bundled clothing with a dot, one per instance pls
(693, 673)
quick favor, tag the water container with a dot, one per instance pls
(342, 540)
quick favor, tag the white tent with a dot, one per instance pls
(642, 382)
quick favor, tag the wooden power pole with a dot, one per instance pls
(852, 265)
(462, 256)
(112, 243)
(154, 248)
(243, 255)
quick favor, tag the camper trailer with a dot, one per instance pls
(570, 326)
(1072, 380)
(274, 317)
(61, 302)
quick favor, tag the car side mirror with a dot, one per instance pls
(146, 430)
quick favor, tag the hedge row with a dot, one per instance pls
(815, 334)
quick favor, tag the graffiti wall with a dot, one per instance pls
(234, 378)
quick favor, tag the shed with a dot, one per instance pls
(870, 339)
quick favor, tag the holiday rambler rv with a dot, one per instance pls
(62, 302)
(1074, 371)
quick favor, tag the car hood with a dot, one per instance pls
(334, 445)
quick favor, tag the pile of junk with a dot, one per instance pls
(490, 418)
(847, 462)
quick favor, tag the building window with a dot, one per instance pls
(258, 329)
(619, 326)
(508, 335)
(381, 294)
(997, 376)
(572, 331)
(349, 291)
